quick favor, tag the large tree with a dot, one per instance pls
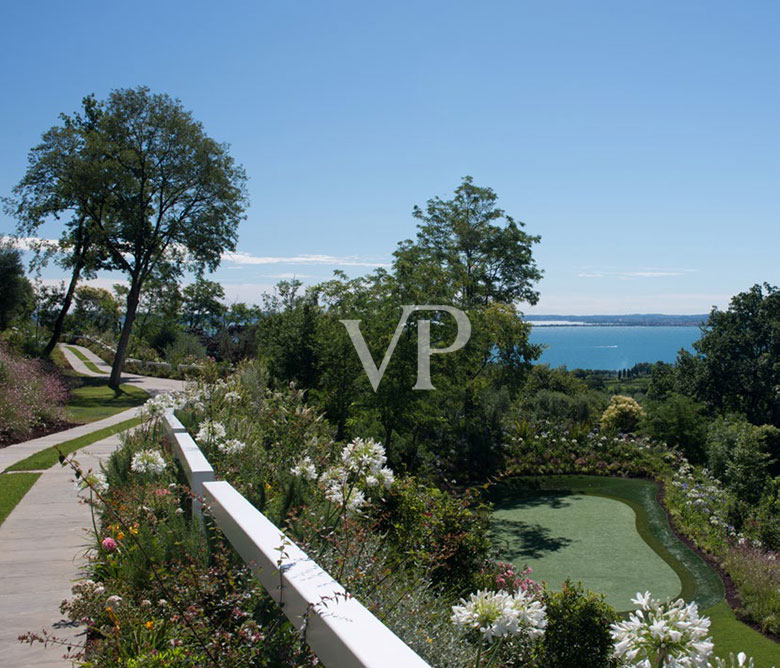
(152, 187)
(737, 368)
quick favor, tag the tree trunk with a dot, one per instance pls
(124, 338)
(58, 325)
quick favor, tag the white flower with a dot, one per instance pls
(305, 469)
(531, 614)
(148, 461)
(740, 661)
(232, 397)
(95, 480)
(498, 614)
(355, 501)
(159, 405)
(670, 631)
(231, 446)
(113, 601)
(210, 431)
(363, 455)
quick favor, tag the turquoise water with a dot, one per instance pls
(611, 347)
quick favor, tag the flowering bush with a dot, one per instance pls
(663, 634)
(31, 396)
(622, 414)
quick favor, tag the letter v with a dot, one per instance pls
(374, 374)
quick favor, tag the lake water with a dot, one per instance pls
(611, 347)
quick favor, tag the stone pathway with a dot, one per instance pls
(43, 538)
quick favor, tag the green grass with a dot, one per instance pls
(87, 362)
(95, 400)
(13, 486)
(48, 457)
(699, 581)
(589, 538)
(731, 635)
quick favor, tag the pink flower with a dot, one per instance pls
(109, 544)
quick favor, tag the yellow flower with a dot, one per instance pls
(149, 625)
(120, 536)
(267, 487)
(134, 529)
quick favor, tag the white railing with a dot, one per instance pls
(194, 463)
(338, 628)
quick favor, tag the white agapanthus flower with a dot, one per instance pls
(667, 634)
(496, 614)
(531, 614)
(156, 407)
(231, 446)
(363, 455)
(210, 432)
(305, 469)
(148, 461)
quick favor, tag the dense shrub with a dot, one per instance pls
(677, 420)
(439, 532)
(31, 396)
(622, 414)
(577, 634)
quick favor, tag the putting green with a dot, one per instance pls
(608, 533)
(588, 538)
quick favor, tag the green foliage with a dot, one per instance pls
(739, 357)
(622, 414)
(736, 454)
(167, 658)
(185, 349)
(139, 172)
(577, 634)
(96, 310)
(202, 306)
(17, 298)
(443, 534)
(679, 421)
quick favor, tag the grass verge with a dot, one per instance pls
(95, 400)
(13, 486)
(731, 635)
(48, 457)
(87, 362)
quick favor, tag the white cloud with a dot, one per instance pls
(242, 258)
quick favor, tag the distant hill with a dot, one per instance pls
(636, 319)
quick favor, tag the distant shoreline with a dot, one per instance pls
(632, 320)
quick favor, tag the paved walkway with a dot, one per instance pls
(14, 453)
(43, 538)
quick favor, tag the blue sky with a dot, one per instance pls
(640, 139)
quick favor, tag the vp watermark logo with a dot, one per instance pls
(424, 350)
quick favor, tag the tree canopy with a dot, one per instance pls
(150, 186)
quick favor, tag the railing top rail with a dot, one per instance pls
(338, 628)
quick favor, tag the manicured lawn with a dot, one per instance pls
(48, 457)
(87, 363)
(547, 523)
(13, 486)
(95, 400)
(588, 538)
